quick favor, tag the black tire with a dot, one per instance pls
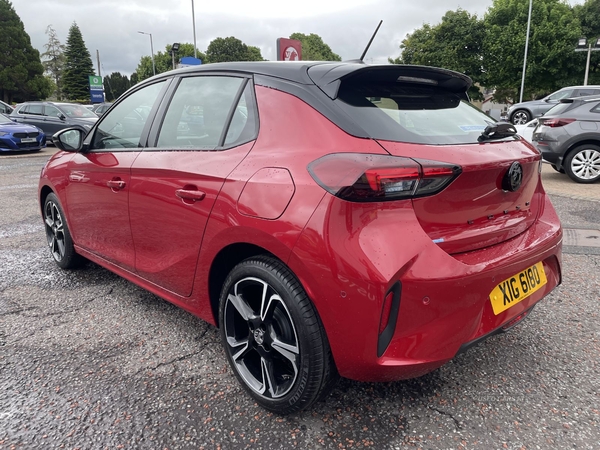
(520, 117)
(555, 167)
(274, 340)
(582, 164)
(58, 235)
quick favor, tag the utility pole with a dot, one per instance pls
(194, 28)
(526, 48)
(98, 59)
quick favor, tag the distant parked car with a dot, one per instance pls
(52, 117)
(20, 136)
(568, 136)
(521, 113)
(526, 131)
(101, 108)
(5, 108)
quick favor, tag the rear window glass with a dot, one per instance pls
(412, 113)
(559, 109)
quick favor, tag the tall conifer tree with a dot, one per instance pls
(21, 71)
(78, 66)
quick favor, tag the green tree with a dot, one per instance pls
(455, 43)
(163, 61)
(78, 66)
(254, 54)
(53, 60)
(115, 84)
(589, 17)
(551, 61)
(21, 71)
(314, 49)
(231, 49)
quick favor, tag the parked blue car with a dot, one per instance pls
(20, 136)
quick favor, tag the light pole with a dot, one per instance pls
(194, 28)
(151, 51)
(526, 47)
(174, 49)
(584, 46)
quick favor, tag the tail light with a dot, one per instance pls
(372, 178)
(557, 122)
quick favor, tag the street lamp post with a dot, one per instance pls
(174, 49)
(151, 51)
(526, 48)
(194, 28)
(584, 46)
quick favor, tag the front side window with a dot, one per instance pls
(77, 111)
(52, 111)
(124, 125)
(560, 94)
(198, 112)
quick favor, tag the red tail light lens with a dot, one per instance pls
(556, 122)
(370, 178)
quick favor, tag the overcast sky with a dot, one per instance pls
(111, 26)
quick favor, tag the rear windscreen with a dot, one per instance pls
(559, 109)
(412, 113)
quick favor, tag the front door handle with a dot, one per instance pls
(187, 194)
(116, 184)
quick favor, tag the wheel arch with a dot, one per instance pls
(227, 258)
(44, 191)
(573, 146)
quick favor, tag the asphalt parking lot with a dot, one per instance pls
(90, 361)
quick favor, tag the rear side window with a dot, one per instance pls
(412, 113)
(33, 109)
(199, 111)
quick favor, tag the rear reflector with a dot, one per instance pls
(389, 317)
(385, 313)
(369, 178)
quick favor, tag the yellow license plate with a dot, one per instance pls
(517, 288)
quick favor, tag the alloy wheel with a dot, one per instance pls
(261, 338)
(55, 232)
(586, 164)
(520, 118)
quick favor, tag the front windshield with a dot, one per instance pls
(77, 111)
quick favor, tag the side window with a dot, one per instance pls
(198, 112)
(561, 94)
(582, 92)
(243, 123)
(33, 109)
(596, 109)
(123, 126)
(51, 111)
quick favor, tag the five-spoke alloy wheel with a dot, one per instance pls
(58, 236)
(273, 337)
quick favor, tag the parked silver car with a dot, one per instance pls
(568, 136)
(521, 113)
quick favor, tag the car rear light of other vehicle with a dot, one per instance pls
(556, 122)
(373, 178)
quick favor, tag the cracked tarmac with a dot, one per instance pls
(90, 361)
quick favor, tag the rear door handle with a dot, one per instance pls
(116, 184)
(186, 194)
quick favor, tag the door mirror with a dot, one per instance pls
(69, 139)
(61, 116)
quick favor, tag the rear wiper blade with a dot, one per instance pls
(498, 130)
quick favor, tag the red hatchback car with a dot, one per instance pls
(330, 218)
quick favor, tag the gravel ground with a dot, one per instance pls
(90, 361)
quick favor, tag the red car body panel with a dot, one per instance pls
(103, 229)
(347, 255)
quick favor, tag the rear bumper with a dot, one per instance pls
(444, 305)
